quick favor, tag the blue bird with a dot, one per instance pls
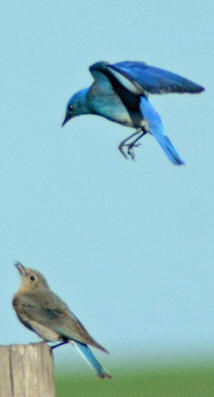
(43, 312)
(120, 94)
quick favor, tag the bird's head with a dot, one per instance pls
(31, 279)
(76, 106)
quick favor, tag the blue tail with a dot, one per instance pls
(156, 129)
(91, 359)
(169, 149)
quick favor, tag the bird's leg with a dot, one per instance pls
(59, 344)
(134, 144)
(124, 144)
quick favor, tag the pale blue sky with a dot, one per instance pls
(128, 245)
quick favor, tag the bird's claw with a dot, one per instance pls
(122, 151)
(130, 149)
(130, 152)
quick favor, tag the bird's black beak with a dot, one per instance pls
(20, 268)
(67, 117)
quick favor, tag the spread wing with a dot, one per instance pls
(139, 78)
(51, 312)
(102, 71)
(155, 80)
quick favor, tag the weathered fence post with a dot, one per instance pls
(26, 371)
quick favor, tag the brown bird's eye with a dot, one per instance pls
(32, 278)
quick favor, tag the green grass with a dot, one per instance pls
(165, 382)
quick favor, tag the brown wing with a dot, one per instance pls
(48, 310)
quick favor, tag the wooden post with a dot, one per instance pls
(26, 371)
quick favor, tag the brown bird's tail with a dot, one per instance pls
(91, 360)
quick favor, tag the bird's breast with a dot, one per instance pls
(45, 332)
(108, 104)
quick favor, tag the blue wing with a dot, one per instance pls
(154, 80)
(91, 360)
(104, 72)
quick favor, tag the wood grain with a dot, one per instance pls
(26, 371)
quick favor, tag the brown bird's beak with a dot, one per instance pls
(20, 268)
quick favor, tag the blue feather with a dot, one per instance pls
(156, 80)
(91, 359)
(156, 129)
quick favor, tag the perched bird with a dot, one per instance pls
(120, 93)
(43, 312)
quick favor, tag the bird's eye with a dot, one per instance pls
(33, 278)
(70, 108)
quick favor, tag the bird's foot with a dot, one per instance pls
(130, 152)
(121, 149)
(130, 149)
(59, 344)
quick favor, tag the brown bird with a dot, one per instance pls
(43, 312)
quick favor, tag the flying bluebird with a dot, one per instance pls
(119, 93)
(43, 312)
